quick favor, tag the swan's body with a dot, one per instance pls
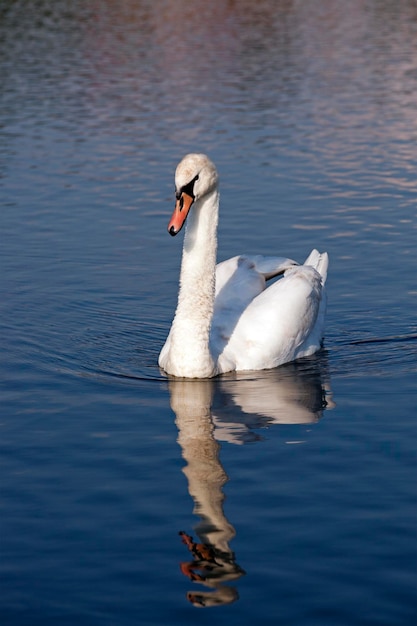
(226, 318)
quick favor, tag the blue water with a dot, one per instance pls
(301, 480)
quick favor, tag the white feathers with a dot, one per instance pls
(227, 318)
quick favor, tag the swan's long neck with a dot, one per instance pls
(190, 353)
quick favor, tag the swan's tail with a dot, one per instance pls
(320, 262)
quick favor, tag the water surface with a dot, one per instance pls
(302, 479)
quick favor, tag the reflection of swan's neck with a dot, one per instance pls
(190, 354)
(206, 476)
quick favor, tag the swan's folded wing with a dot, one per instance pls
(277, 323)
(238, 281)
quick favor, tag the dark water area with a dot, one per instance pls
(294, 489)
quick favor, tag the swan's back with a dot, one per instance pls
(281, 323)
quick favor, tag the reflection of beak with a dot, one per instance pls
(219, 597)
(182, 207)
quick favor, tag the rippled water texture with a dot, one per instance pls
(280, 497)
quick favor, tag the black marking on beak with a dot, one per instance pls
(188, 189)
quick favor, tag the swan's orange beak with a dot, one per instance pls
(182, 207)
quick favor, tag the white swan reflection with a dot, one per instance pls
(232, 409)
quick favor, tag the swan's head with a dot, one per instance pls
(195, 177)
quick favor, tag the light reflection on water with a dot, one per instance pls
(309, 111)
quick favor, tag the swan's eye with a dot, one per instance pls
(189, 187)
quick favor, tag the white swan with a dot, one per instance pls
(226, 319)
